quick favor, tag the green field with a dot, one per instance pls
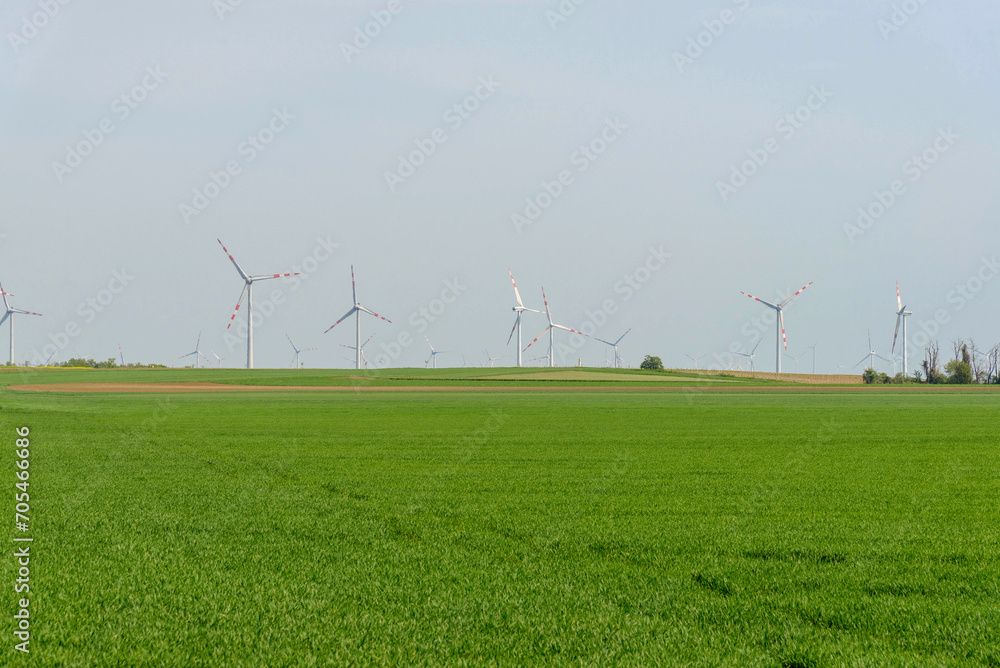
(690, 527)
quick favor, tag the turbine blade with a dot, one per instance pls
(290, 341)
(354, 285)
(238, 305)
(899, 300)
(754, 351)
(782, 304)
(516, 293)
(546, 300)
(781, 317)
(5, 295)
(346, 316)
(233, 260)
(272, 276)
(362, 308)
(622, 336)
(570, 329)
(4, 318)
(898, 319)
(535, 340)
(759, 300)
(429, 344)
(512, 330)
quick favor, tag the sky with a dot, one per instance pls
(643, 162)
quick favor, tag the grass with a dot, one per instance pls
(802, 529)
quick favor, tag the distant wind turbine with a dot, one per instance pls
(901, 315)
(751, 356)
(432, 360)
(780, 324)
(196, 353)
(618, 357)
(519, 310)
(871, 355)
(10, 312)
(551, 330)
(248, 293)
(295, 360)
(356, 311)
(695, 360)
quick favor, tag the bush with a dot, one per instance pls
(959, 372)
(652, 363)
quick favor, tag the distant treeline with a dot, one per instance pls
(968, 366)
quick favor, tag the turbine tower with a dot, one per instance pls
(298, 352)
(357, 310)
(9, 312)
(197, 354)
(519, 309)
(551, 329)
(780, 323)
(618, 357)
(248, 293)
(901, 315)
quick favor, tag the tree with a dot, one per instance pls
(930, 364)
(652, 363)
(959, 372)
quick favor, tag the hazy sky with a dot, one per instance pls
(184, 85)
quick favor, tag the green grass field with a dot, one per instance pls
(812, 528)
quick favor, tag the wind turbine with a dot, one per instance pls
(695, 360)
(248, 293)
(551, 329)
(218, 358)
(796, 361)
(197, 354)
(901, 315)
(9, 312)
(618, 357)
(298, 352)
(491, 358)
(813, 348)
(50, 358)
(122, 354)
(432, 360)
(780, 324)
(752, 355)
(357, 310)
(519, 309)
(871, 355)
(364, 359)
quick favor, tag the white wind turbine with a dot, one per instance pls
(218, 358)
(196, 353)
(901, 315)
(491, 359)
(551, 329)
(357, 310)
(618, 357)
(432, 360)
(519, 309)
(695, 360)
(871, 355)
(248, 293)
(295, 360)
(364, 359)
(10, 312)
(780, 323)
(121, 353)
(796, 360)
(751, 356)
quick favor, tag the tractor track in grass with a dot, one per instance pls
(190, 388)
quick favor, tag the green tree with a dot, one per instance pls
(959, 372)
(652, 363)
